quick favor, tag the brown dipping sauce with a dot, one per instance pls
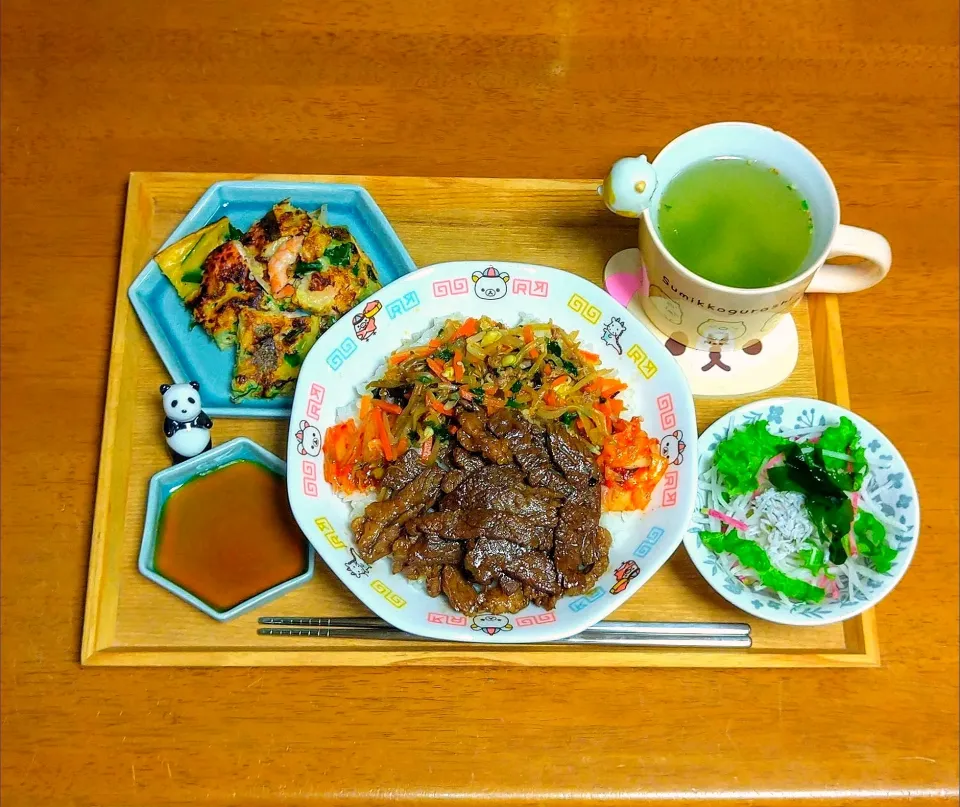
(228, 535)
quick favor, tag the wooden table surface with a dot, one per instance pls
(551, 88)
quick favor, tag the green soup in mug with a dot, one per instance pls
(736, 222)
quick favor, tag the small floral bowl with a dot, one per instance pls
(889, 485)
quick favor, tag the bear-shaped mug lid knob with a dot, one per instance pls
(629, 187)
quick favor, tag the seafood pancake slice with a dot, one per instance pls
(274, 244)
(226, 289)
(304, 263)
(182, 262)
(271, 346)
(283, 219)
(333, 274)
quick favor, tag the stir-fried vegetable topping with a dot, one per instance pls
(538, 369)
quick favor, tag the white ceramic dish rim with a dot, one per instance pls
(439, 273)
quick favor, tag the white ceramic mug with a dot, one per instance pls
(709, 316)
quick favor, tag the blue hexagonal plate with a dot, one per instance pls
(187, 352)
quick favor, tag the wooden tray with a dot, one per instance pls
(131, 621)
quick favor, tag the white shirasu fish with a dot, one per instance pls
(779, 523)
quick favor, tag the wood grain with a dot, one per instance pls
(547, 88)
(131, 621)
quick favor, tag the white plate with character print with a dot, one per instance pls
(353, 352)
(887, 492)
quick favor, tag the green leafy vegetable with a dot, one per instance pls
(832, 521)
(339, 254)
(568, 418)
(445, 354)
(517, 386)
(812, 559)
(412, 436)
(844, 439)
(740, 456)
(293, 359)
(441, 432)
(513, 403)
(828, 507)
(803, 474)
(753, 556)
(872, 541)
(553, 347)
(196, 276)
(233, 233)
(571, 368)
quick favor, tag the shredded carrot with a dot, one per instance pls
(457, 366)
(438, 407)
(351, 449)
(386, 406)
(534, 353)
(550, 399)
(466, 394)
(607, 387)
(493, 404)
(453, 429)
(436, 366)
(611, 408)
(434, 343)
(402, 446)
(527, 334)
(403, 355)
(560, 379)
(385, 443)
(365, 403)
(591, 357)
(367, 439)
(425, 448)
(469, 328)
(547, 370)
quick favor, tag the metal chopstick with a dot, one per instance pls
(610, 626)
(612, 639)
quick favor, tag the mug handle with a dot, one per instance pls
(836, 278)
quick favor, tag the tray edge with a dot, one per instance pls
(96, 630)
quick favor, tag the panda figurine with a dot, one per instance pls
(185, 425)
